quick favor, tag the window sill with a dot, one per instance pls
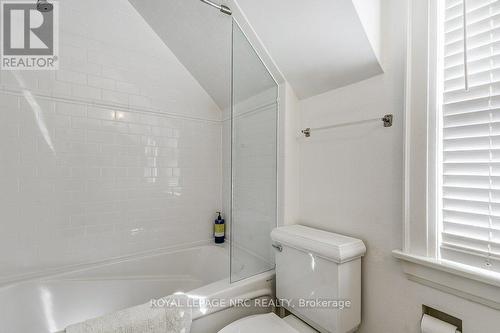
(472, 284)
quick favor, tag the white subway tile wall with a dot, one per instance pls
(116, 153)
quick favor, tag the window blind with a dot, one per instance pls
(470, 135)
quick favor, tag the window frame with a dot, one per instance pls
(420, 253)
(419, 236)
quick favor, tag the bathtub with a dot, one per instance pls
(51, 303)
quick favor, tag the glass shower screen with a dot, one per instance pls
(254, 117)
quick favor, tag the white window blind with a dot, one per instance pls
(470, 135)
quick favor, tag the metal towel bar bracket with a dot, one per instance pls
(387, 121)
(278, 247)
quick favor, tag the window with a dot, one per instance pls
(452, 148)
(468, 147)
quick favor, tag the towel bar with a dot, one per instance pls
(386, 119)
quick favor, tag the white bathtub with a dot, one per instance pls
(49, 304)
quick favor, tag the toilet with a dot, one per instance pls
(318, 280)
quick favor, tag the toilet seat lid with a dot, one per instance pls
(259, 323)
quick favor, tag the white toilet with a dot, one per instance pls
(311, 266)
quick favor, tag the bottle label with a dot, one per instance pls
(219, 230)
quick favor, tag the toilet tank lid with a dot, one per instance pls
(335, 247)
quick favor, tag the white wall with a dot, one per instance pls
(370, 16)
(289, 191)
(351, 182)
(116, 153)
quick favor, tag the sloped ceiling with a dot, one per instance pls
(318, 45)
(199, 36)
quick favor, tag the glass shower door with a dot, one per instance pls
(254, 117)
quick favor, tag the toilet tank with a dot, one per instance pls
(318, 277)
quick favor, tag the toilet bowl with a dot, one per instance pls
(312, 265)
(270, 322)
